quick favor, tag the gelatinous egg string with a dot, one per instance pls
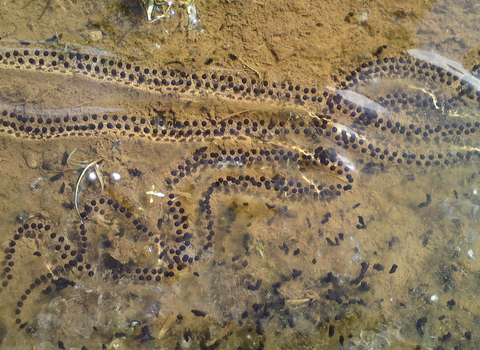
(230, 87)
(166, 82)
(78, 261)
(227, 87)
(308, 230)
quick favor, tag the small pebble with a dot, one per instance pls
(31, 159)
(94, 36)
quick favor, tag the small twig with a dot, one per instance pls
(86, 165)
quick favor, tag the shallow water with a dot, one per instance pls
(288, 222)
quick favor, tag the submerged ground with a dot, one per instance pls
(388, 260)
